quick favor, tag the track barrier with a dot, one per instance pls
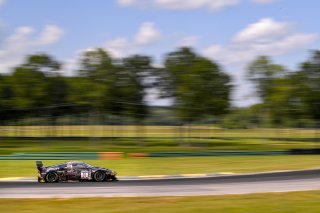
(121, 155)
(110, 155)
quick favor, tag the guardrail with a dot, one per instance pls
(226, 153)
(120, 155)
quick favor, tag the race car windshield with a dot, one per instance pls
(88, 165)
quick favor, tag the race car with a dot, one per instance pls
(74, 171)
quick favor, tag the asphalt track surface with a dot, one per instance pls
(219, 185)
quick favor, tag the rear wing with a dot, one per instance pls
(39, 165)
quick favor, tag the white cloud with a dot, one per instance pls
(188, 41)
(25, 41)
(136, 3)
(50, 34)
(127, 2)
(191, 4)
(181, 4)
(120, 47)
(265, 37)
(2, 2)
(70, 66)
(264, 1)
(262, 31)
(147, 34)
(214, 5)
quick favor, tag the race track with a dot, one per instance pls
(235, 184)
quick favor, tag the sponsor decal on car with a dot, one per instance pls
(85, 175)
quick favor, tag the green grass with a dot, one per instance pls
(151, 131)
(176, 165)
(150, 139)
(271, 203)
(12, 145)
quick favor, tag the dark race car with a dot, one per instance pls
(74, 171)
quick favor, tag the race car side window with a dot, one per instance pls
(80, 166)
(88, 165)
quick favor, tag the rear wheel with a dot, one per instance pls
(99, 176)
(51, 177)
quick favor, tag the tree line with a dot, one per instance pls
(102, 84)
(199, 87)
(289, 98)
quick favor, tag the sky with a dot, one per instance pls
(229, 32)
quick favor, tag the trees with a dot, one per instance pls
(116, 87)
(287, 97)
(261, 72)
(310, 76)
(36, 84)
(29, 88)
(96, 64)
(136, 74)
(197, 85)
(267, 79)
(57, 93)
(6, 99)
(90, 88)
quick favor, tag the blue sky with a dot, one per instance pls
(231, 32)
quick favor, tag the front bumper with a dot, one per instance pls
(40, 178)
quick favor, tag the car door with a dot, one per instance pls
(83, 172)
(71, 172)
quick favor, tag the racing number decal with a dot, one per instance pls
(84, 175)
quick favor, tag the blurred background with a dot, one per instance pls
(133, 76)
(104, 106)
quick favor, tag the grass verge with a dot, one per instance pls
(272, 203)
(176, 165)
(151, 131)
(12, 145)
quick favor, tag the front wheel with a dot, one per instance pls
(99, 176)
(51, 177)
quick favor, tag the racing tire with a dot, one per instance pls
(51, 177)
(99, 176)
